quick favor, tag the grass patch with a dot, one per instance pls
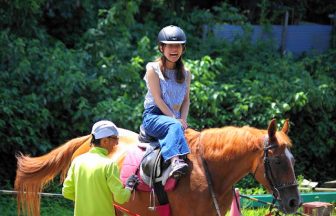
(49, 206)
(61, 207)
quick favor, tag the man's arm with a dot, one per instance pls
(68, 189)
(120, 194)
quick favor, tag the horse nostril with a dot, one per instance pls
(292, 203)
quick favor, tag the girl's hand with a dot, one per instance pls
(184, 123)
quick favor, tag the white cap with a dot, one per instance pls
(104, 129)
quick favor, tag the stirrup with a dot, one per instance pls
(179, 168)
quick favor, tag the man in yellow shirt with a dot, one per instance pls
(93, 179)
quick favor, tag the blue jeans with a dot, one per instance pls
(167, 130)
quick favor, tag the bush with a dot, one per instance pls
(52, 91)
(252, 89)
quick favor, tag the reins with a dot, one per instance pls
(128, 212)
(208, 177)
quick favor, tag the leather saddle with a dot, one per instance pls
(153, 169)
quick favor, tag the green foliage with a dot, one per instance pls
(21, 16)
(228, 14)
(65, 64)
(245, 88)
(315, 122)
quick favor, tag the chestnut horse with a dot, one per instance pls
(230, 154)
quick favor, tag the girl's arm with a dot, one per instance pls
(186, 101)
(155, 89)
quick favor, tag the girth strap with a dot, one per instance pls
(161, 194)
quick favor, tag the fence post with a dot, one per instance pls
(333, 31)
(284, 34)
(235, 204)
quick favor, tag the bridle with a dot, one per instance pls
(276, 187)
(272, 181)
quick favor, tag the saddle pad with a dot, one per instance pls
(130, 166)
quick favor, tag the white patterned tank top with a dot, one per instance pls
(172, 92)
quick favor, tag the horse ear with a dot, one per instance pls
(272, 128)
(285, 127)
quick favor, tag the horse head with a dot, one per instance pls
(275, 169)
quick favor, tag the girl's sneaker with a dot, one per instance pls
(179, 168)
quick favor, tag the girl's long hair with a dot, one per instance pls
(180, 75)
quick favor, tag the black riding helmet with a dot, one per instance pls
(171, 35)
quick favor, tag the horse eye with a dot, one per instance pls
(277, 160)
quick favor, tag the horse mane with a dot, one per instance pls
(33, 173)
(231, 141)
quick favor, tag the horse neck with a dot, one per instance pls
(227, 172)
(229, 159)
